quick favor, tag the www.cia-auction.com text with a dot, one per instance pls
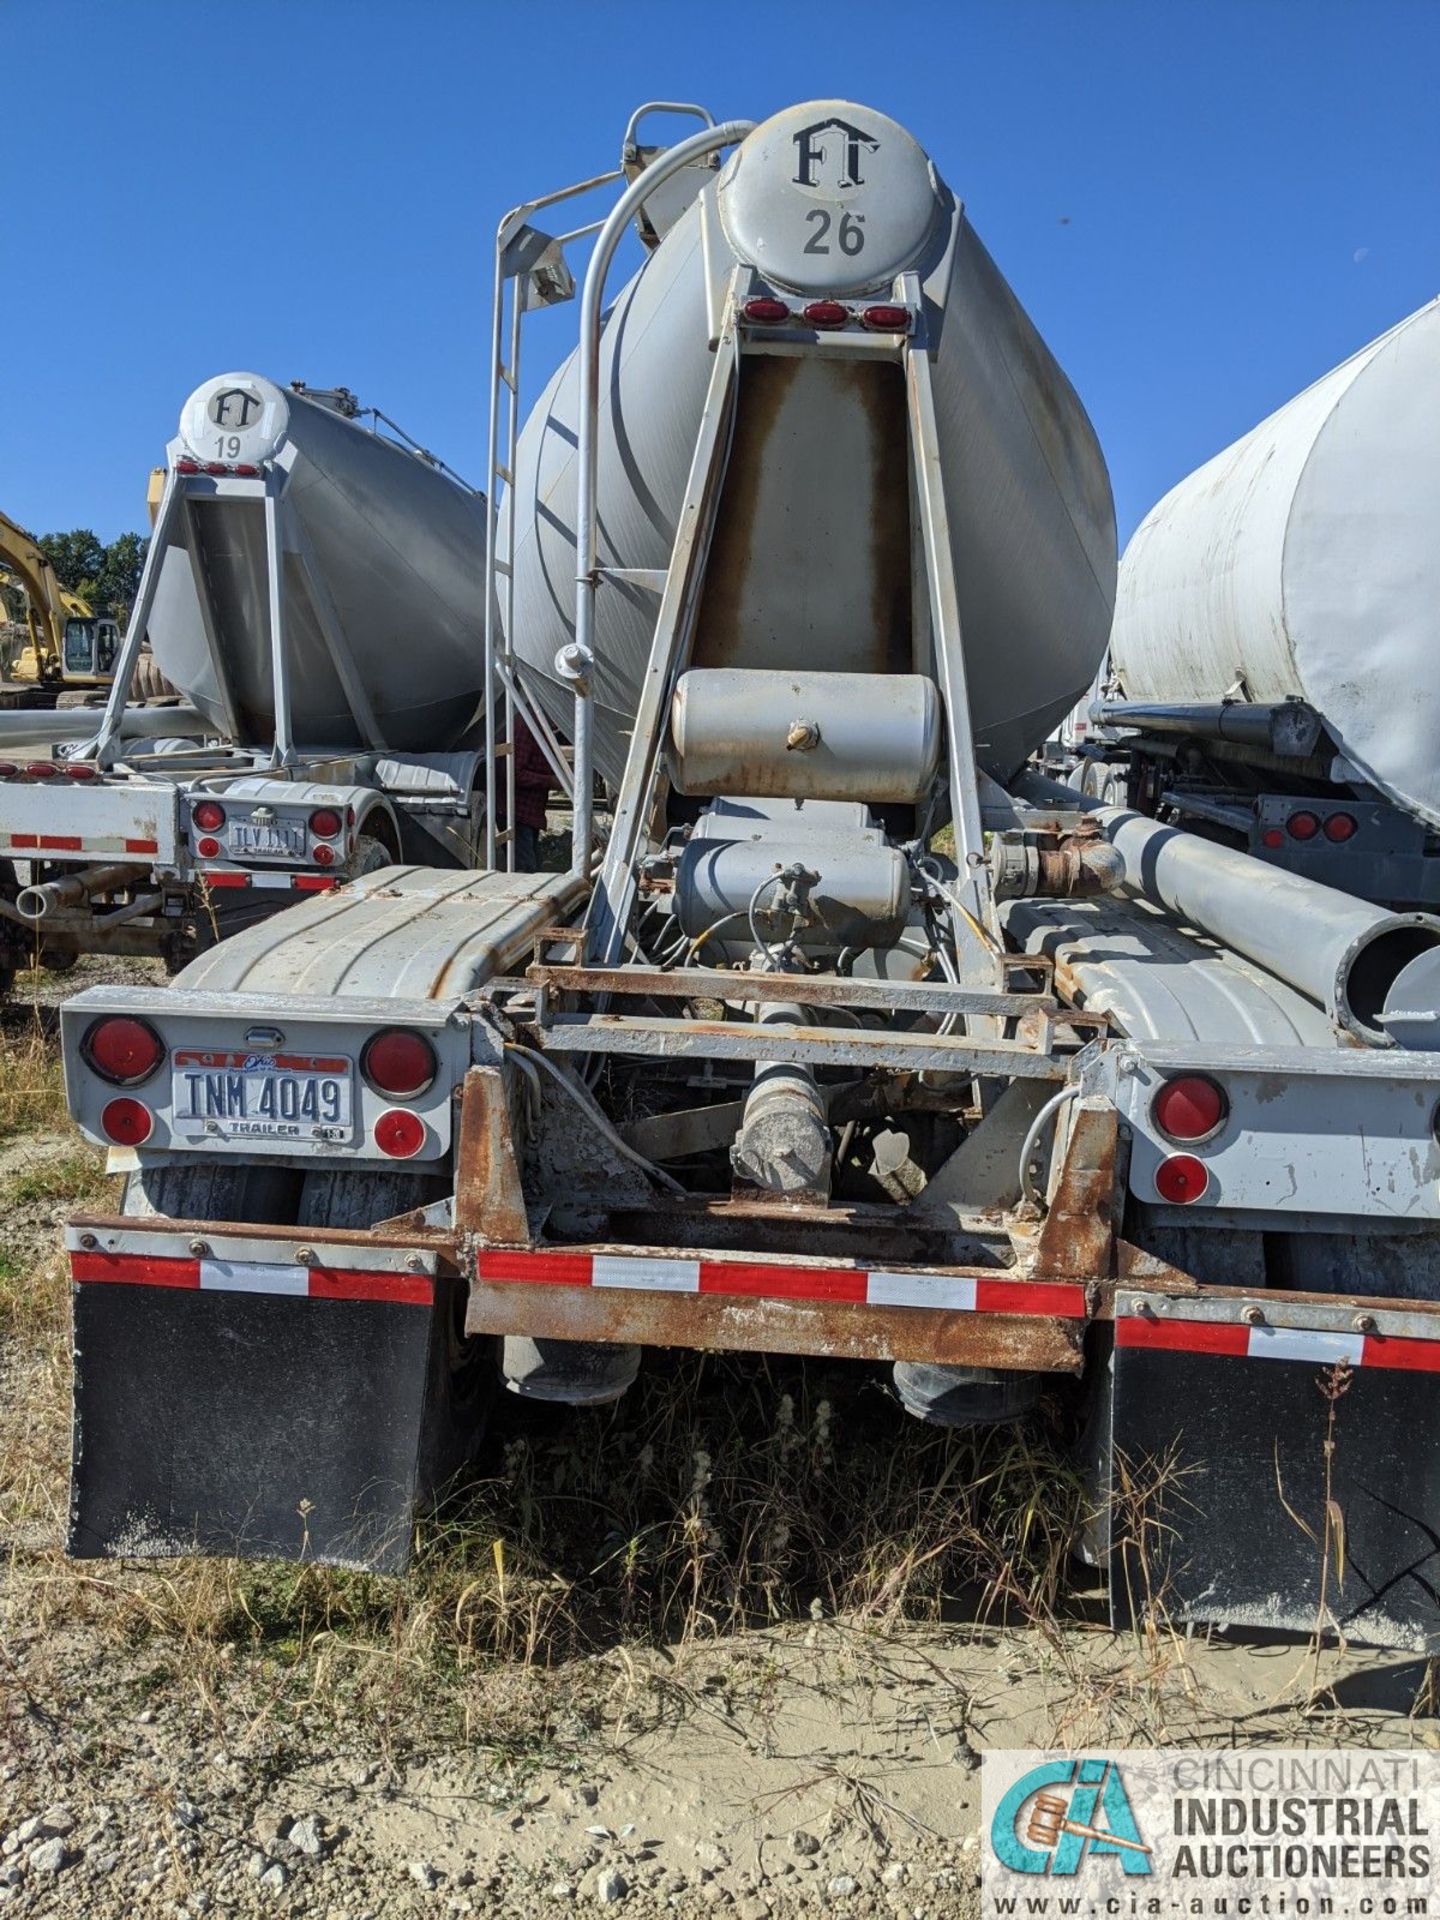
(1295, 1834)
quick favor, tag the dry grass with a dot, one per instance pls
(32, 1081)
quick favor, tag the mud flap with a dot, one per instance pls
(219, 1416)
(1249, 1460)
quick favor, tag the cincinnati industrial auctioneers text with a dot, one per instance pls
(1235, 1836)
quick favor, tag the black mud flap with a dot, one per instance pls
(1274, 1476)
(263, 1425)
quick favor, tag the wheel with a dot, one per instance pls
(214, 1190)
(59, 959)
(149, 683)
(370, 855)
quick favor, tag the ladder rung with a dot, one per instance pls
(507, 376)
(504, 473)
(503, 566)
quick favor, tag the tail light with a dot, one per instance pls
(42, 770)
(325, 823)
(79, 770)
(1341, 827)
(399, 1062)
(1303, 825)
(1181, 1180)
(1272, 837)
(246, 472)
(187, 466)
(1189, 1108)
(209, 816)
(766, 312)
(324, 856)
(400, 1134)
(9, 769)
(207, 848)
(129, 1123)
(216, 466)
(122, 1050)
(887, 319)
(826, 313)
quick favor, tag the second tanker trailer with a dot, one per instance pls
(316, 589)
(805, 550)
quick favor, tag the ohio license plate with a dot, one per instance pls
(265, 1096)
(268, 839)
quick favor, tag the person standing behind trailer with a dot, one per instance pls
(532, 795)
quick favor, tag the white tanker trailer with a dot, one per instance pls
(315, 588)
(808, 547)
(1277, 632)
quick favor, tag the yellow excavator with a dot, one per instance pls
(70, 648)
(69, 645)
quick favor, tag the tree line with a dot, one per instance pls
(108, 577)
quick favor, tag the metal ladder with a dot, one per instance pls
(531, 272)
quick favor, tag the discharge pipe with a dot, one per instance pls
(75, 889)
(1345, 954)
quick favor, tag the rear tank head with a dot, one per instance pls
(831, 198)
(236, 418)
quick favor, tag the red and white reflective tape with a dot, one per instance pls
(849, 1286)
(1314, 1345)
(77, 843)
(241, 877)
(214, 1275)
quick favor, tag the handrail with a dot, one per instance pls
(708, 140)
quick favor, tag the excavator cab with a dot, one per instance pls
(90, 647)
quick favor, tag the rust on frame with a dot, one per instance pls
(489, 1196)
(1077, 1238)
(1011, 1342)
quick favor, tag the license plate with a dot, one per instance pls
(271, 840)
(287, 1096)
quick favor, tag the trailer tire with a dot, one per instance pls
(965, 1396)
(370, 855)
(213, 1190)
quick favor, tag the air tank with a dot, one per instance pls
(1304, 562)
(812, 563)
(398, 546)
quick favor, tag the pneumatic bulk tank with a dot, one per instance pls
(812, 562)
(1304, 562)
(398, 545)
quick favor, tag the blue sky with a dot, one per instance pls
(1203, 206)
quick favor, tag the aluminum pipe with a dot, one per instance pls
(1342, 952)
(32, 727)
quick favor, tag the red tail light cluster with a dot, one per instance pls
(240, 470)
(129, 1123)
(208, 848)
(764, 310)
(122, 1050)
(399, 1062)
(1190, 1109)
(1305, 824)
(48, 770)
(325, 823)
(209, 816)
